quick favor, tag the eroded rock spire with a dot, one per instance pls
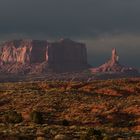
(113, 65)
(115, 57)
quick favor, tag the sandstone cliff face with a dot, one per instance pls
(23, 51)
(67, 55)
(113, 65)
(39, 52)
(27, 56)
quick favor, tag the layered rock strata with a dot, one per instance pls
(25, 56)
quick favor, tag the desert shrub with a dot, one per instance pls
(73, 90)
(65, 122)
(13, 117)
(106, 138)
(36, 117)
(131, 123)
(85, 137)
(92, 131)
(91, 134)
(53, 90)
(88, 137)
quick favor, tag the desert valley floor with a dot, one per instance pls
(100, 109)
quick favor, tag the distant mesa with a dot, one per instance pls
(39, 56)
(113, 66)
(67, 55)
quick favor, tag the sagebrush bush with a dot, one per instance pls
(13, 117)
(106, 138)
(92, 134)
(36, 117)
(65, 122)
(92, 131)
(88, 137)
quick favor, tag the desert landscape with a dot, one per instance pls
(49, 91)
(101, 109)
(69, 70)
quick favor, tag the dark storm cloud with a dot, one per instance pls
(102, 24)
(69, 17)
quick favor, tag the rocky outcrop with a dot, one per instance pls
(39, 52)
(29, 56)
(113, 66)
(67, 55)
(23, 51)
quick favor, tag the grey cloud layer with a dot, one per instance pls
(102, 24)
(69, 17)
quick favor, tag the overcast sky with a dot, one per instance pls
(101, 24)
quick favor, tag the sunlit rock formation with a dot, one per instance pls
(23, 51)
(113, 65)
(31, 56)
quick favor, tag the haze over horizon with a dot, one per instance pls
(102, 25)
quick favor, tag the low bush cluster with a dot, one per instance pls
(65, 122)
(36, 117)
(12, 117)
(94, 134)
